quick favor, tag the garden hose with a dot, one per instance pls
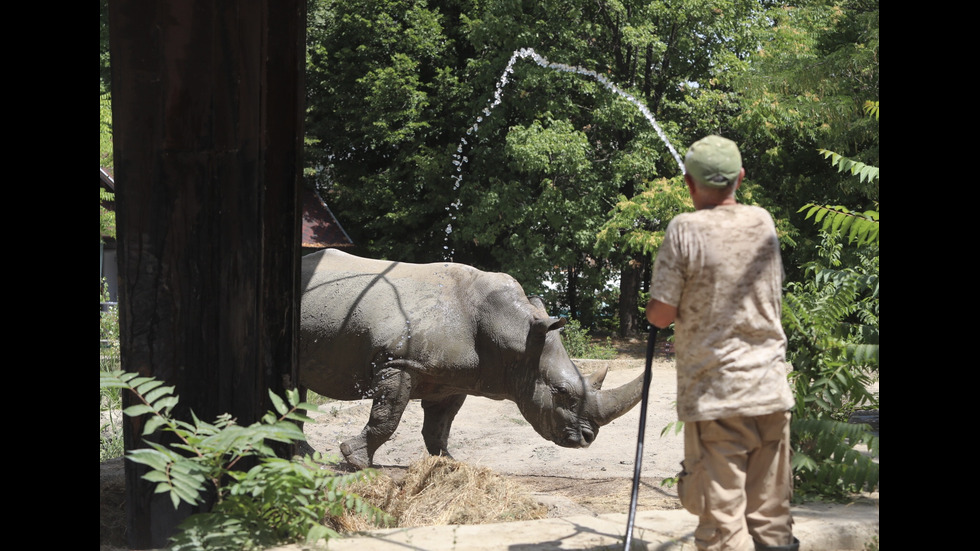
(647, 374)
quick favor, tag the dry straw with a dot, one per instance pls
(440, 491)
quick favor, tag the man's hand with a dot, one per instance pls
(660, 314)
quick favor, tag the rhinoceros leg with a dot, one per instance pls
(391, 395)
(439, 415)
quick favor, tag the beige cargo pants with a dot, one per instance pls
(737, 479)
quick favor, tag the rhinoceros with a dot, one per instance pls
(395, 331)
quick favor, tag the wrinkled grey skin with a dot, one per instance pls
(439, 332)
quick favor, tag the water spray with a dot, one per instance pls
(459, 159)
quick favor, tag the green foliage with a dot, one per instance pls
(860, 227)
(110, 430)
(104, 71)
(638, 223)
(578, 344)
(826, 463)
(107, 218)
(108, 319)
(394, 84)
(871, 109)
(803, 90)
(866, 173)
(831, 322)
(110, 433)
(107, 223)
(276, 501)
(105, 130)
(818, 62)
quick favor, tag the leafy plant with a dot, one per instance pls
(831, 322)
(637, 224)
(860, 227)
(866, 173)
(105, 130)
(276, 501)
(826, 463)
(107, 218)
(108, 319)
(578, 344)
(110, 435)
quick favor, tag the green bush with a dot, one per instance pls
(579, 344)
(831, 322)
(277, 501)
(110, 431)
(110, 435)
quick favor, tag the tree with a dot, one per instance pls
(831, 320)
(107, 217)
(860, 227)
(637, 225)
(802, 91)
(394, 84)
(107, 224)
(105, 74)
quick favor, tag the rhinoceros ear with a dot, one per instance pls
(543, 325)
(537, 302)
(594, 380)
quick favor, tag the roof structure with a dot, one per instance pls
(320, 227)
(106, 181)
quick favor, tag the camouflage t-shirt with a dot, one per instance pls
(721, 268)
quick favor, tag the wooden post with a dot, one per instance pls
(208, 105)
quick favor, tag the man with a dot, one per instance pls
(719, 275)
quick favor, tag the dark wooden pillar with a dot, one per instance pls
(208, 103)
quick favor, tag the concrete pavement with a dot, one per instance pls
(819, 526)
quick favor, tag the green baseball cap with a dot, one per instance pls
(713, 161)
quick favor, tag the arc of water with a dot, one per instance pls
(459, 159)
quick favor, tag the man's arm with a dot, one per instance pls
(660, 314)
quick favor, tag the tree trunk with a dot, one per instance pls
(208, 103)
(630, 280)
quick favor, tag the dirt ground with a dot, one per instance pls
(493, 434)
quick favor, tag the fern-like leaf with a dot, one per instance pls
(871, 109)
(827, 450)
(866, 173)
(275, 501)
(859, 227)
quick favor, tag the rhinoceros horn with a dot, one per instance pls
(614, 402)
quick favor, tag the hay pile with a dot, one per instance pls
(439, 491)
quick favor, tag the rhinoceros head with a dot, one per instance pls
(560, 403)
